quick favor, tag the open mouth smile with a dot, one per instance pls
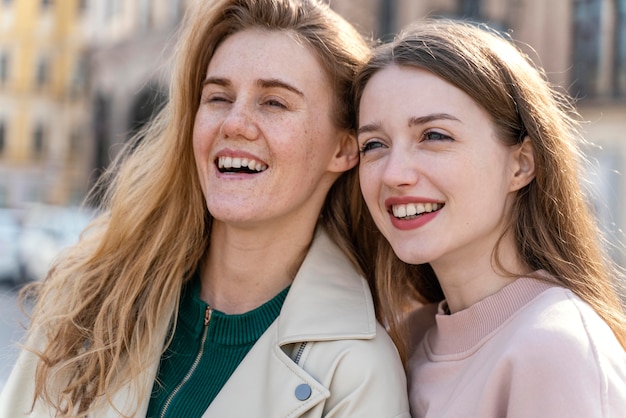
(413, 210)
(240, 165)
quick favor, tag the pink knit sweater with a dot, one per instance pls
(531, 350)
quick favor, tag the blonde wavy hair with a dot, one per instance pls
(552, 220)
(103, 307)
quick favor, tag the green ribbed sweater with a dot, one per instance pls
(192, 372)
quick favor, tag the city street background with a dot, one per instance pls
(79, 78)
(12, 326)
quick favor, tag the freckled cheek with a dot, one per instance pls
(313, 144)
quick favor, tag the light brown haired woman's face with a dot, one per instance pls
(264, 141)
(435, 176)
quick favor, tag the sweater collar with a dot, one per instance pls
(226, 329)
(328, 299)
(464, 331)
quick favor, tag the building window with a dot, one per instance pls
(386, 19)
(470, 9)
(102, 110)
(79, 76)
(619, 66)
(586, 57)
(7, 3)
(599, 56)
(4, 196)
(3, 135)
(148, 103)
(4, 67)
(38, 140)
(46, 4)
(41, 73)
(76, 143)
(82, 6)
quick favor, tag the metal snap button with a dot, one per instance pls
(303, 392)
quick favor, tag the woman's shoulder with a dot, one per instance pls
(558, 311)
(559, 341)
(558, 327)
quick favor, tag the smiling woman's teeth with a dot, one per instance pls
(414, 209)
(226, 163)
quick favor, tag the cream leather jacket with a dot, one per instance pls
(324, 356)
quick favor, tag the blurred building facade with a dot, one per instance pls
(43, 113)
(129, 75)
(79, 77)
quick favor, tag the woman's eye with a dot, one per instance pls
(436, 136)
(275, 103)
(214, 98)
(370, 145)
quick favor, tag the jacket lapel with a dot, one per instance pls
(328, 299)
(266, 381)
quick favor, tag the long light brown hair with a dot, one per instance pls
(552, 218)
(104, 305)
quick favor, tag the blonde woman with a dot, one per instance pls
(220, 280)
(470, 168)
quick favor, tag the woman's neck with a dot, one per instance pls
(245, 268)
(467, 282)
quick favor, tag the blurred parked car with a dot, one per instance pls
(9, 234)
(46, 231)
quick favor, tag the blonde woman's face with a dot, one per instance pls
(437, 180)
(264, 142)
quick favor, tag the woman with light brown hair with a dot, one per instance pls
(471, 168)
(220, 279)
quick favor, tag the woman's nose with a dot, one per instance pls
(400, 169)
(240, 122)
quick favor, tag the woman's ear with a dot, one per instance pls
(346, 155)
(524, 165)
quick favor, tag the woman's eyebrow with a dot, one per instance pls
(414, 120)
(274, 82)
(216, 80)
(370, 127)
(265, 83)
(420, 120)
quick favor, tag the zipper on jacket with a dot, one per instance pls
(207, 318)
(299, 353)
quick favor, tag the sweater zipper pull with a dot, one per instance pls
(207, 315)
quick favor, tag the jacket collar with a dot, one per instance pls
(328, 299)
